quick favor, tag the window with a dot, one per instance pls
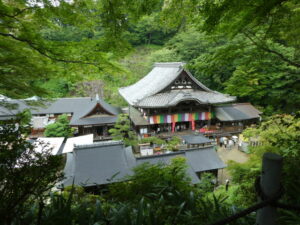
(143, 130)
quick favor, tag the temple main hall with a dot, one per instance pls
(170, 99)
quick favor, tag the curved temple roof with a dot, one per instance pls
(174, 97)
(145, 92)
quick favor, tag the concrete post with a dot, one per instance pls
(270, 185)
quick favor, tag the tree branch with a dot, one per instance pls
(17, 13)
(32, 45)
(280, 55)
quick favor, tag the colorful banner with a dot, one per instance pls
(180, 117)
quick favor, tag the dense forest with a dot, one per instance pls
(249, 51)
(77, 48)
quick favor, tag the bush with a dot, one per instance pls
(61, 128)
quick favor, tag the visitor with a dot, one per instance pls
(230, 144)
(225, 141)
(221, 140)
(226, 184)
(235, 139)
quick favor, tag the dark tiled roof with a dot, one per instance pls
(204, 159)
(96, 164)
(237, 112)
(198, 160)
(79, 107)
(195, 139)
(94, 120)
(166, 159)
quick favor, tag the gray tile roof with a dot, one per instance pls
(96, 164)
(173, 97)
(204, 159)
(162, 75)
(198, 160)
(94, 120)
(79, 107)
(136, 117)
(195, 139)
(166, 159)
(237, 112)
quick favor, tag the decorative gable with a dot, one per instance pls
(184, 81)
(98, 110)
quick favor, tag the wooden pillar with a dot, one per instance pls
(270, 185)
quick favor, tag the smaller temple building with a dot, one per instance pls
(108, 162)
(169, 99)
(88, 115)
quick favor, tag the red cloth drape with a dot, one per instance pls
(193, 124)
(173, 127)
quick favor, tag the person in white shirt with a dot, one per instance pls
(225, 141)
(235, 139)
(230, 144)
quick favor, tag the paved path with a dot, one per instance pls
(230, 154)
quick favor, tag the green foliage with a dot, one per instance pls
(206, 185)
(173, 143)
(149, 30)
(223, 64)
(25, 117)
(279, 134)
(152, 140)
(166, 196)
(232, 44)
(123, 131)
(243, 176)
(148, 178)
(61, 128)
(155, 194)
(50, 41)
(25, 174)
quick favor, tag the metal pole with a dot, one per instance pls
(270, 185)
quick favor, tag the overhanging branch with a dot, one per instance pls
(280, 55)
(40, 51)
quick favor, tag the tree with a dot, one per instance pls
(30, 54)
(149, 30)
(154, 194)
(123, 131)
(173, 143)
(25, 174)
(259, 21)
(230, 44)
(279, 134)
(61, 128)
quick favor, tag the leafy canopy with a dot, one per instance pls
(25, 174)
(123, 131)
(279, 134)
(60, 128)
(30, 53)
